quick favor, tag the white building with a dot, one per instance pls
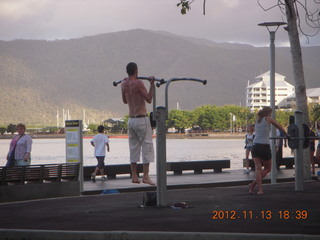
(258, 93)
(313, 96)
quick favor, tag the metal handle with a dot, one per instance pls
(296, 138)
(161, 81)
(204, 82)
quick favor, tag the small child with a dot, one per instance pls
(248, 147)
(99, 142)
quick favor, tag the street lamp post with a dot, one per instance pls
(272, 32)
(232, 120)
(231, 123)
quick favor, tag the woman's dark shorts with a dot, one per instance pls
(262, 151)
(100, 162)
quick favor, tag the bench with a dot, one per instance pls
(111, 170)
(61, 172)
(286, 161)
(177, 167)
(198, 166)
(39, 173)
(20, 183)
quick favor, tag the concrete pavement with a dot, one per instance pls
(218, 208)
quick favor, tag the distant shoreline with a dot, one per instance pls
(169, 136)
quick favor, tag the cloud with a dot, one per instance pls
(16, 10)
(225, 20)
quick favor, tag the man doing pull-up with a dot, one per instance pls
(136, 95)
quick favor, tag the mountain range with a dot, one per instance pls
(40, 78)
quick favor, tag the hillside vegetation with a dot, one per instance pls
(37, 78)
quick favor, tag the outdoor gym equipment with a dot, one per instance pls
(160, 114)
(298, 138)
(115, 83)
(159, 82)
(161, 117)
(293, 136)
(204, 82)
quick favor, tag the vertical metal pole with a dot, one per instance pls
(272, 104)
(232, 130)
(81, 155)
(154, 104)
(161, 157)
(299, 153)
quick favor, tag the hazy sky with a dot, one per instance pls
(225, 20)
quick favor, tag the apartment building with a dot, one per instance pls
(258, 93)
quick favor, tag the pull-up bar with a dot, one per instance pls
(161, 81)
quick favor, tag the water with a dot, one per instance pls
(48, 151)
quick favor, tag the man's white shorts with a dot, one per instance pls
(140, 140)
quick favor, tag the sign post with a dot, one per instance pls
(74, 145)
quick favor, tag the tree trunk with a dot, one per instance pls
(298, 75)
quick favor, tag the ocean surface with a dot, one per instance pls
(50, 151)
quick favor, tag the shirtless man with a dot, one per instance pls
(136, 95)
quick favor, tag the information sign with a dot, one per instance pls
(74, 145)
(73, 133)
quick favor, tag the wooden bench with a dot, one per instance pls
(61, 172)
(39, 173)
(287, 161)
(177, 167)
(111, 170)
(198, 166)
(22, 183)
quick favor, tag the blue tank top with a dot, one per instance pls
(262, 131)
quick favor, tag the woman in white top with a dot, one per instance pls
(261, 151)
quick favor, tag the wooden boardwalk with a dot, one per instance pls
(186, 180)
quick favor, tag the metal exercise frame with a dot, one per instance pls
(160, 114)
(159, 82)
(296, 141)
(161, 117)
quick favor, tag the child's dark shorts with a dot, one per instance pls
(100, 159)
